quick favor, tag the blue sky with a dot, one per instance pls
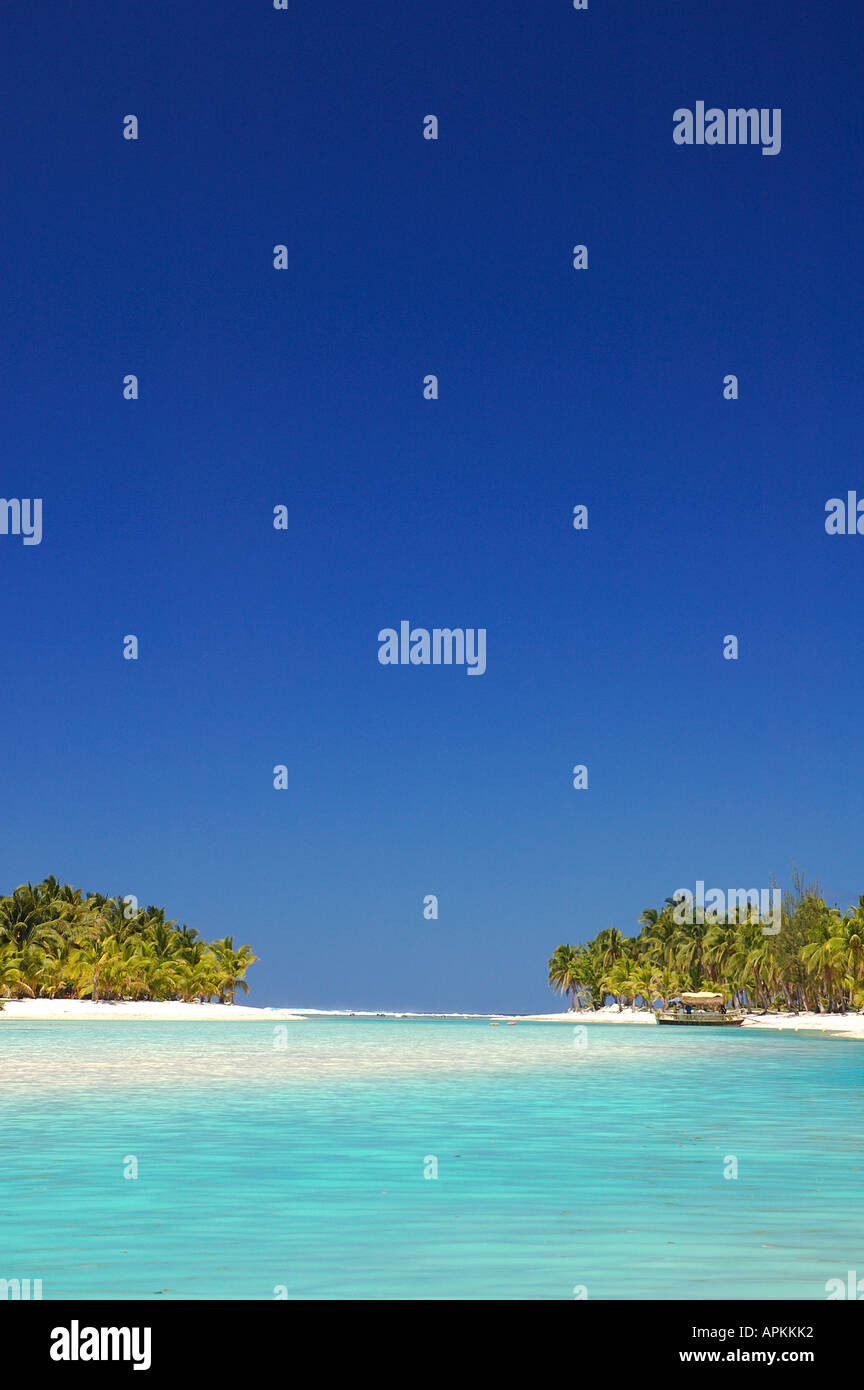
(304, 388)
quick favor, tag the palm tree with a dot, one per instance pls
(562, 972)
(54, 939)
(53, 972)
(200, 979)
(821, 959)
(721, 946)
(27, 918)
(850, 939)
(642, 982)
(88, 960)
(11, 972)
(816, 961)
(610, 945)
(232, 965)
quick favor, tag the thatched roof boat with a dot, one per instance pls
(703, 1007)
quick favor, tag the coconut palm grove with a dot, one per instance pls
(815, 962)
(56, 941)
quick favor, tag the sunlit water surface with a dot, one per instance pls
(294, 1160)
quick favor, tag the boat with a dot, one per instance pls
(704, 1008)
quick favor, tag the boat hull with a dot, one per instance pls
(702, 1020)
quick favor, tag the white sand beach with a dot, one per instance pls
(847, 1025)
(131, 1010)
(842, 1025)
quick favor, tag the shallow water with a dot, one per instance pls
(263, 1167)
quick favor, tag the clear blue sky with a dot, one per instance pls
(304, 387)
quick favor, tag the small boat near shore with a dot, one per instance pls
(704, 1008)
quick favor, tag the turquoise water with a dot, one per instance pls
(261, 1168)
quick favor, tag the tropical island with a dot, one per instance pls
(57, 942)
(813, 964)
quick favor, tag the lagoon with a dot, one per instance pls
(290, 1162)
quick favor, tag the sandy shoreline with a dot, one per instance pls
(847, 1025)
(137, 1011)
(840, 1025)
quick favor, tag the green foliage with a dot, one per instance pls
(57, 941)
(815, 962)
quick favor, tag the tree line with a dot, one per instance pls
(56, 941)
(815, 962)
